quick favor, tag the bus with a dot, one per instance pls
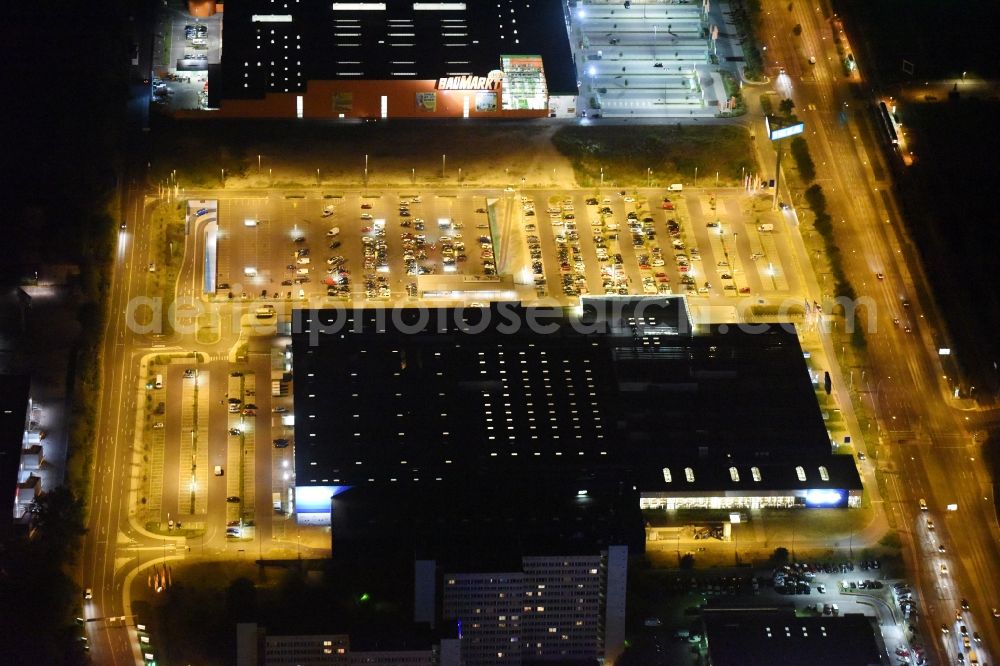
(265, 312)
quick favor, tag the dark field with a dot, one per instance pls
(941, 38)
(951, 204)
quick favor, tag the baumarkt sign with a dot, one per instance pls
(489, 82)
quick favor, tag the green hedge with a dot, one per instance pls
(824, 227)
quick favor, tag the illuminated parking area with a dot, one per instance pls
(643, 59)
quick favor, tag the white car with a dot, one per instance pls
(629, 199)
(302, 261)
(366, 216)
(328, 211)
(333, 232)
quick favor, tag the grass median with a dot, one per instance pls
(671, 153)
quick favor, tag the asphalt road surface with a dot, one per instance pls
(928, 450)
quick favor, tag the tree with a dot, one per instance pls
(780, 556)
(786, 106)
(803, 160)
(687, 562)
(58, 522)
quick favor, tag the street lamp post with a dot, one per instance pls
(223, 172)
(602, 176)
(443, 162)
(649, 177)
(696, 176)
(258, 164)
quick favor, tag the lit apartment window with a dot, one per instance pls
(823, 474)
(755, 473)
(689, 474)
(552, 630)
(667, 476)
(734, 474)
(540, 609)
(800, 473)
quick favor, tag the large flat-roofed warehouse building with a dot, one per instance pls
(418, 397)
(390, 59)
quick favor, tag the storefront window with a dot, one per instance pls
(524, 84)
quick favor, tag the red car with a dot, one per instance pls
(666, 205)
(366, 206)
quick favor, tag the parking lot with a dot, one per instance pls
(371, 246)
(359, 245)
(645, 59)
(181, 58)
(645, 243)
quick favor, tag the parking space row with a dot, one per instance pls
(373, 247)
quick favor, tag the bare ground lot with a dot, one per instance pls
(480, 154)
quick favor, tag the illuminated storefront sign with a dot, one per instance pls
(489, 82)
(826, 498)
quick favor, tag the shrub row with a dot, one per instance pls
(824, 226)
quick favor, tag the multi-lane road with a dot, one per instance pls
(927, 450)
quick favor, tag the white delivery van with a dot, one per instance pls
(765, 227)
(676, 187)
(159, 381)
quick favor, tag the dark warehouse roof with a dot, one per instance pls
(279, 45)
(420, 399)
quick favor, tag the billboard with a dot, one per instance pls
(486, 101)
(427, 101)
(777, 129)
(343, 102)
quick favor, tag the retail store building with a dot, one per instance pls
(391, 59)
